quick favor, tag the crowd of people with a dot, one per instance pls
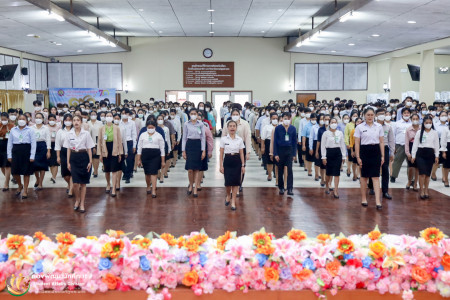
(323, 137)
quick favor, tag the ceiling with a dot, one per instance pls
(388, 19)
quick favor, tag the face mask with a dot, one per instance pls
(389, 109)
(103, 108)
(235, 118)
(109, 119)
(322, 111)
(424, 112)
(116, 122)
(138, 104)
(335, 111)
(37, 108)
(150, 111)
(286, 122)
(68, 123)
(346, 121)
(274, 122)
(29, 119)
(353, 119)
(151, 131)
(124, 117)
(443, 119)
(416, 122)
(12, 117)
(313, 122)
(406, 118)
(72, 111)
(433, 113)
(65, 109)
(59, 111)
(201, 108)
(166, 118)
(172, 117)
(267, 114)
(413, 106)
(22, 123)
(102, 119)
(193, 117)
(381, 117)
(207, 109)
(293, 110)
(160, 122)
(307, 116)
(321, 122)
(392, 104)
(151, 103)
(178, 109)
(333, 126)
(408, 103)
(387, 118)
(278, 111)
(302, 115)
(38, 121)
(84, 120)
(4, 122)
(93, 117)
(327, 122)
(428, 126)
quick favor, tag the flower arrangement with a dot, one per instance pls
(397, 264)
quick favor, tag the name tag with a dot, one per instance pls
(385, 134)
(20, 137)
(53, 134)
(150, 139)
(199, 130)
(7, 135)
(337, 138)
(105, 137)
(286, 138)
(424, 138)
(1, 138)
(72, 143)
(38, 135)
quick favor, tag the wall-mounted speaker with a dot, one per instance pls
(24, 71)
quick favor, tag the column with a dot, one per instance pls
(427, 77)
(395, 82)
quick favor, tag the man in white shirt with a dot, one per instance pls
(408, 104)
(399, 133)
(129, 129)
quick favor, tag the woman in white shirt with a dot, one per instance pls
(266, 148)
(233, 165)
(94, 127)
(334, 152)
(53, 128)
(116, 121)
(43, 147)
(79, 146)
(61, 152)
(426, 151)
(175, 120)
(163, 172)
(151, 155)
(445, 149)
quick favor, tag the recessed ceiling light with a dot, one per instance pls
(211, 10)
(280, 9)
(262, 31)
(160, 31)
(333, 51)
(375, 35)
(211, 32)
(412, 22)
(58, 44)
(351, 44)
(211, 23)
(31, 34)
(270, 22)
(141, 9)
(152, 22)
(79, 51)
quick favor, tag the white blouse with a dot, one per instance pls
(43, 135)
(83, 141)
(333, 140)
(429, 140)
(154, 141)
(167, 136)
(266, 133)
(231, 146)
(445, 139)
(60, 138)
(94, 128)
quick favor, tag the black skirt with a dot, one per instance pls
(410, 164)
(334, 160)
(111, 163)
(193, 155)
(20, 164)
(52, 161)
(353, 159)
(266, 155)
(232, 166)
(63, 156)
(425, 160)
(446, 163)
(78, 164)
(95, 156)
(40, 159)
(4, 163)
(371, 160)
(309, 157)
(205, 160)
(317, 161)
(151, 160)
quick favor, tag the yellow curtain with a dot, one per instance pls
(11, 99)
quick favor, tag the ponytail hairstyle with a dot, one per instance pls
(427, 117)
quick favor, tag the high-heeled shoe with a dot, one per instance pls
(336, 196)
(82, 211)
(5, 189)
(195, 195)
(75, 207)
(153, 195)
(426, 196)
(379, 207)
(233, 208)
(364, 204)
(24, 196)
(189, 191)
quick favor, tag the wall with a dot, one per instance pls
(261, 65)
(26, 55)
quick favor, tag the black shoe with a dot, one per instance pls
(322, 184)
(188, 191)
(392, 179)
(233, 208)
(199, 189)
(336, 196)
(82, 211)
(281, 192)
(69, 196)
(52, 180)
(107, 191)
(365, 204)
(24, 197)
(127, 181)
(327, 192)
(309, 174)
(36, 185)
(302, 165)
(316, 179)
(5, 189)
(166, 176)
(227, 202)
(434, 179)
(371, 192)
(195, 195)
(269, 179)
(153, 196)
(422, 197)
(113, 195)
(379, 207)
(76, 208)
(240, 189)
(427, 197)
(348, 174)
(149, 192)
(387, 196)
(290, 192)
(124, 178)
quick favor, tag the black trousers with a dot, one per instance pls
(384, 173)
(299, 153)
(129, 166)
(285, 154)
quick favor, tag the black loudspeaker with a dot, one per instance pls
(24, 71)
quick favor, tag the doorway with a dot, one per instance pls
(305, 98)
(219, 97)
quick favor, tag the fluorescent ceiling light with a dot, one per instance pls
(351, 44)
(57, 17)
(31, 34)
(211, 23)
(152, 22)
(211, 10)
(412, 22)
(262, 31)
(270, 22)
(160, 31)
(345, 17)
(79, 51)
(58, 44)
(333, 51)
(299, 44)
(375, 35)
(211, 32)
(141, 9)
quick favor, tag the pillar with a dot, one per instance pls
(427, 77)
(395, 83)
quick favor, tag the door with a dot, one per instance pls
(305, 98)
(219, 97)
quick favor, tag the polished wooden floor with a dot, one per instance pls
(173, 211)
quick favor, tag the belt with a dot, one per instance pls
(231, 154)
(76, 151)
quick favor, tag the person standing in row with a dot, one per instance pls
(94, 127)
(266, 149)
(61, 152)
(445, 149)
(309, 159)
(209, 148)
(21, 151)
(151, 155)
(79, 146)
(347, 132)
(334, 152)
(413, 172)
(193, 146)
(369, 148)
(176, 123)
(399, 133)
(131, 137)
(233, 164)
(53, 127)
(110, 149)
(439, 125)
(5, 165)
(320, 132)
(425, 151)
(284, 152)
(116, 121)
(43, 148)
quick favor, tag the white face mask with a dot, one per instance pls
(335, 111)
(59, 111)
(160, 122)
(172, 117)
(22, 123)
(443, 118)
(109, 119)
(381, 117)
(286, 122)
(102, 119)
(321, 122)
(333, 126)
(354, 119)
(415, 122)
(193, 117)
(274, 122)
(116, 122)
(408, 103)
(346, 121)
(235, 118)
(428, 126)
(103, 109)
(413, 106)
(4, 122)
(12, 117)
(68, 123)
(150, 111)
(327, 122)
(433, 113)
(201, 108)
(387, 118)
(37, 108)
(151, 131)
(138, 104)
(51, 123)
(166, 118)
(293, 110)
(302, 115)
(93, 117)
(207, 109)
(308, 115)
(313, 122)
(65, 109)
(84, 120)
(38, 121)
(406, 118)
(278, 111)
(124, 117)
(424, 112)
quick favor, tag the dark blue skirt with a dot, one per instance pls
(40, 159)
(193, 155)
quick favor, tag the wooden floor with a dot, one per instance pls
(132, 210)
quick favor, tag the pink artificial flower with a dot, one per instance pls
(407, 295)
(321, 253)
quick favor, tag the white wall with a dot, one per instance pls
(261, 65)
(26, 55)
